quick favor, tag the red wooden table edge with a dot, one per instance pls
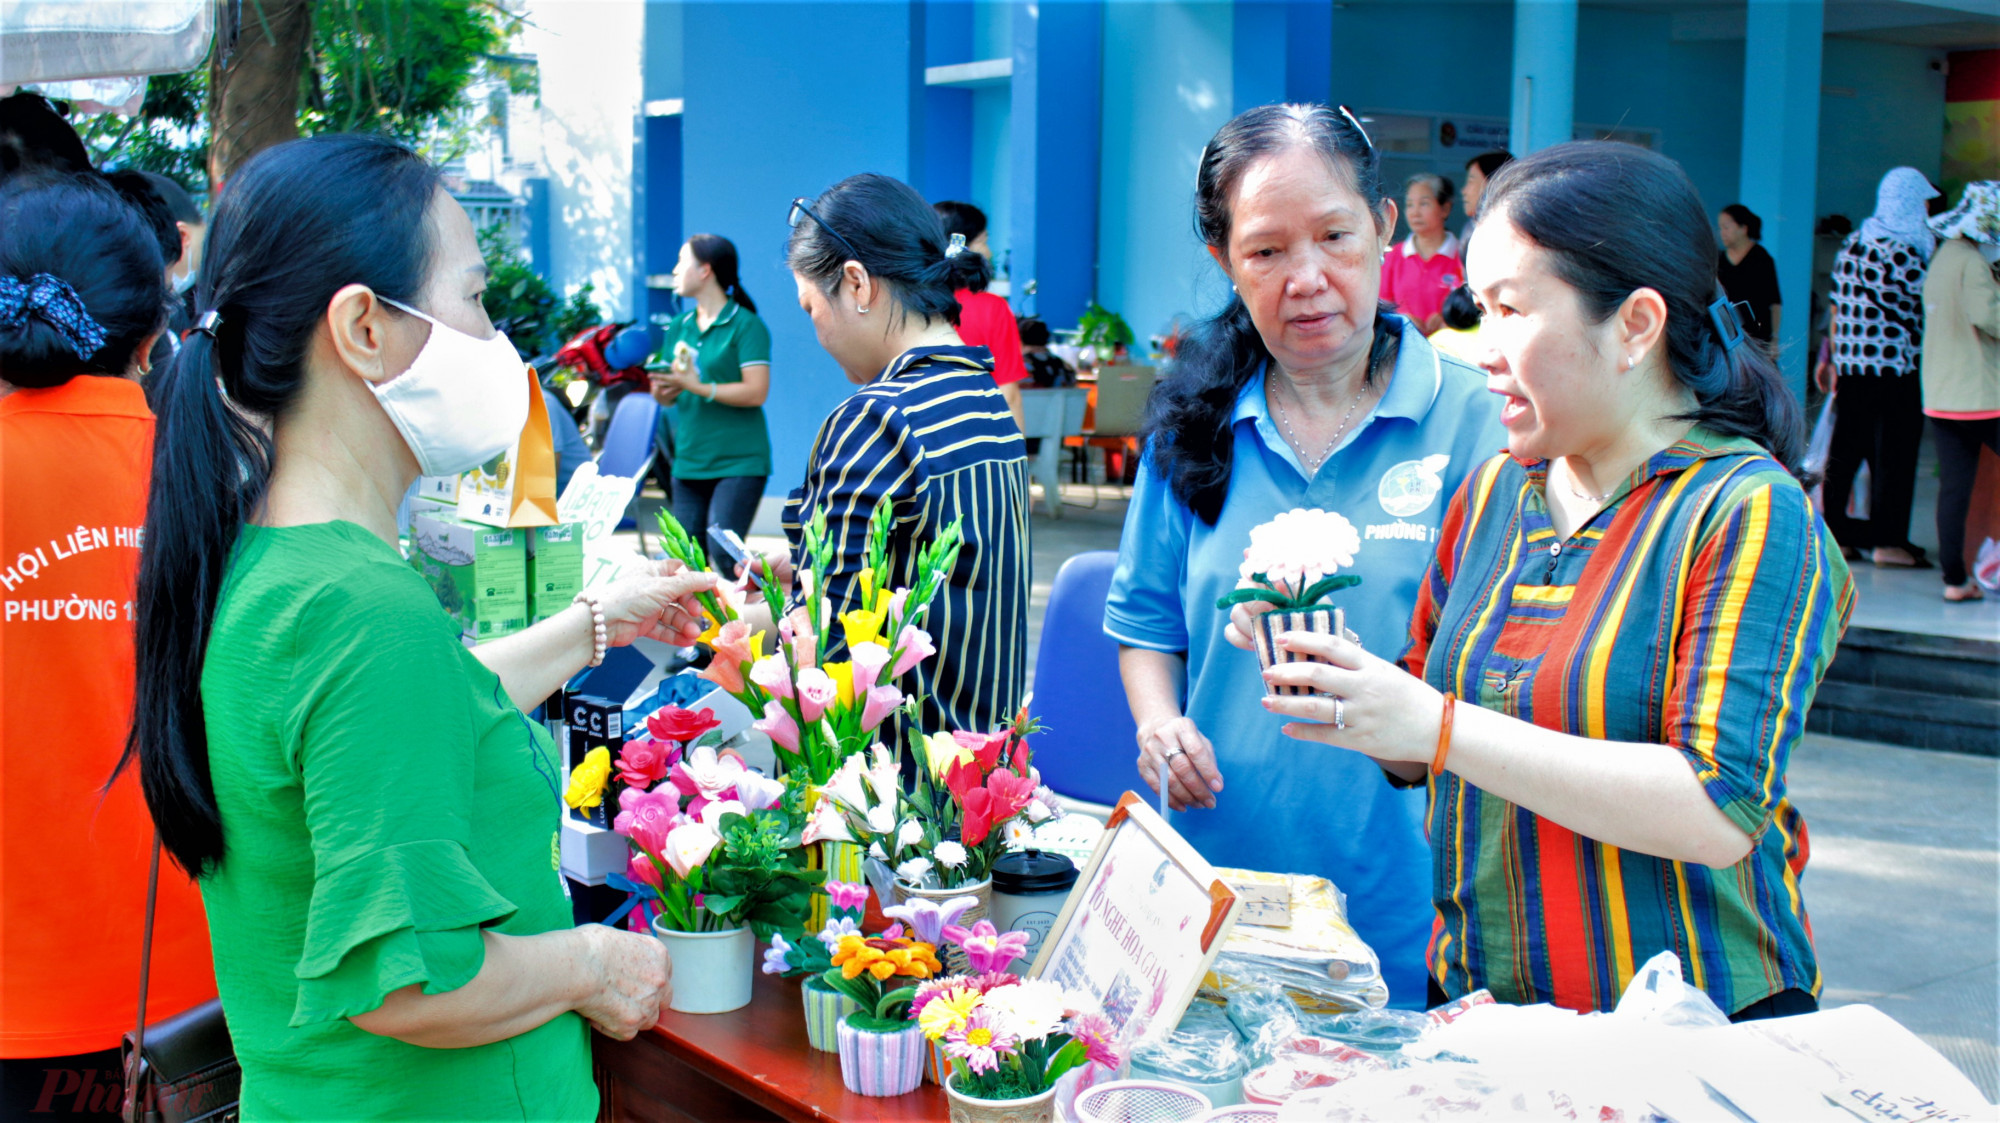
(678, 1035)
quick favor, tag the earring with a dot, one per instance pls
(861, 310)
(1631, 361)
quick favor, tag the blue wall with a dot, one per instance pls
(662, 229)
(786, 100)
(1894, 116)
(1631, 74)
(1054, 137)
(1167, 88)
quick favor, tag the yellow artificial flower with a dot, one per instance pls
(862, 626)
(586, 783)
(867, 585)
(948, 1012)
(942, 750)
(842, 674)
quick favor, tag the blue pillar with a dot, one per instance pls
(1259, 36)
(1058, 105)
(1780, 167)
(947, 171)
(1544, 74)
(1308, 50)
(775, 111)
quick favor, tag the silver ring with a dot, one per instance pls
(1339, 714)
(1175, 753)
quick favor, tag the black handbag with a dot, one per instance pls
(181, 1069)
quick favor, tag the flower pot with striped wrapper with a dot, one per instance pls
(874, 1063)
(826, 1008)
(1271, 625)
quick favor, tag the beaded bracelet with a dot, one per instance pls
(600, 636)
(1444, 734)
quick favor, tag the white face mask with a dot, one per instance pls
(462, 402)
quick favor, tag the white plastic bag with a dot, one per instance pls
(1822, 441)
(1986, 566)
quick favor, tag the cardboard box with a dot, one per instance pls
(480, 574)
(555, 568)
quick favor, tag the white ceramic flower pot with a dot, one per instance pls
(969, 1109)
(712, 970)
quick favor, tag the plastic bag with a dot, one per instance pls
(1986, 566)
(1318, 960)
(1821, 445)
(1203, 1050)
(1658, 994)
(1371, 1031)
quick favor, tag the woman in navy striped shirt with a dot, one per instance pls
(928, 431)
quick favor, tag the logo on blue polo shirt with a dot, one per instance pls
(1411, 487)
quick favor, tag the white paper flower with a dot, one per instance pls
(1019, 833)
(1030, 1010)
(875, 852)
(881, 818)
(1299, 547)
(909, 834)
(915, 870)
(949, 854)
(1038, 812)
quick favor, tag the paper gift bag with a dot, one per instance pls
(517, 487)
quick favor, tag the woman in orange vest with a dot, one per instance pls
(83, 298)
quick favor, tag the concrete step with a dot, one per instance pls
(1911, 689)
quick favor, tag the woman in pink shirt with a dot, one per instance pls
(1421, 270)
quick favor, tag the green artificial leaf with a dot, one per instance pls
(1326, 585)
(1070, 1056)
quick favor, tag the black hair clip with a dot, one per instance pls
(1728, 324)
(206, 325)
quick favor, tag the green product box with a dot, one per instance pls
(555, 568)
(480, 573)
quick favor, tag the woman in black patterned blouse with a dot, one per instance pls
(1878, 316)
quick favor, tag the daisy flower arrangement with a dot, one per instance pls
(816, 710)
(1008, 1038)
(1294, 561)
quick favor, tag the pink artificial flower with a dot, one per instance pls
(916, 646)
(985, 948)
(804, 638)
(759, 792)
(645, 760)
(647, 817)
(880, 703)
(688, 846)
(773, 675)
(732, 651)
(992, 980)
(896, 602)
(713, 811)
(1095, 1031)
(825, 824)
(642, 871)
(869, 659)
(707, 774)
(846, 896)
(778, 726)
(980, 1042)
(817, 691)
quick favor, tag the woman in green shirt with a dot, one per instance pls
(717, 372)
(372, 819)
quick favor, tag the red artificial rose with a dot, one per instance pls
(676, 724)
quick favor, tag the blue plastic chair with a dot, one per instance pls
(1086, 751)
(628, 445)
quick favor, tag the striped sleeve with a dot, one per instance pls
(866, 453)
(1764, 604)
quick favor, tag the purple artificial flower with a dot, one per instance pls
(930, 921)
(775, 962)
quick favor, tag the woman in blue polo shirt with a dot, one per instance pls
(717, 372)
(1299, 394)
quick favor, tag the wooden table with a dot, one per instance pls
(749, 1064)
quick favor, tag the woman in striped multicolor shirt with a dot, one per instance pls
(1636, 602)
(928, 432)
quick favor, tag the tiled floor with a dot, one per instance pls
(1912, 600)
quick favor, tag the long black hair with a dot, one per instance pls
(1188, 419)
(296, 224)
(895, 235)
(1615, 218)
(719, 254)
(77, 229)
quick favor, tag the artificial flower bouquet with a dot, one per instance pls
(1293, 564)
(1008, 1038)
(819, 712)
(717, 845)
(975, 794)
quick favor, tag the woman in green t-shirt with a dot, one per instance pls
(714, 366)
(372, 819)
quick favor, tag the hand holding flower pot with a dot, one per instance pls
(1291, 567)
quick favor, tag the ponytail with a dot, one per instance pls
(299, 222)
(965, 270)
(719, 254)
(1739, 390)
(886, 226)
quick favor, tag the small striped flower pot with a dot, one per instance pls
(826, 1008)
(939, 1069)
(881, 1064)
(1274, 624)
(842, 861)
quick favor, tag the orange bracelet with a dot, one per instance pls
(1444, 734)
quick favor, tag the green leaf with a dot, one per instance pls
(1248, 596)
(1326, 585)
(1072, 1055)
